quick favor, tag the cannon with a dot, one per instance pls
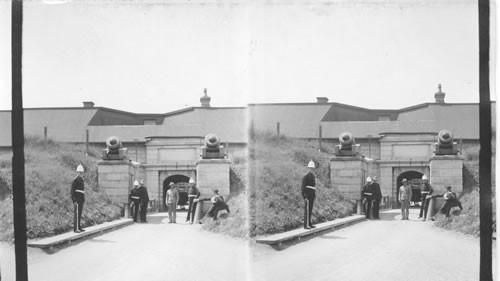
(445, 144)
(347, 146)
(114, 149)
(212, 148)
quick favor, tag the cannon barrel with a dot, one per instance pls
(445, 137)
(212, 148)
(212, 141)
(347, 146)
(346, 139)
(113, 144)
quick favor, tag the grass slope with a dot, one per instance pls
(276, 168)
(49, 171)
(467, 221)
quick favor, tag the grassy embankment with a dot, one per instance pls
(276, 168)
(467, 221)
(273, 203)
(49, 171)
(233, 224)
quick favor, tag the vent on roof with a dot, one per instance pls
(322, 99)
(88, 104)
(205, 100)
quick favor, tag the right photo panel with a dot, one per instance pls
(363, 155)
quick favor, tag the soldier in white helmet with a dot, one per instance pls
(308, 189)
(367, 196)
(78, 198)
(425, 193)
(193, 194)
(135, 198)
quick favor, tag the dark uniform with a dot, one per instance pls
(143, 194)
(78, 198)
(135, 198)
(193, 193)
(218, 205)
(367, 195)
(425, 193)
(377, 197)
(309, 194)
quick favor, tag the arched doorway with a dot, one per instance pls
(181, 182)
(415, 180)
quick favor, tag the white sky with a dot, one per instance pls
(148, 57)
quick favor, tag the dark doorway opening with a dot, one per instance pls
(415, 180)
(181, 182)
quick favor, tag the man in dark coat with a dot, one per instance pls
(367, 195)
(426, 194)
(218, 204)
(78, 198)
(143, 193)
(377, 197)
(193, 194)
(451, 201)
(308, 190)
(135, 198)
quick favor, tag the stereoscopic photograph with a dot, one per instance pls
(247, 140)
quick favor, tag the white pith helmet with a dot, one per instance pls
(136, 183)
(191, 181)
(424, 177)
(80, 168)
(311, 164)
(170, 184)
(369, 179)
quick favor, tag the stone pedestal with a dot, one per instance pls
(446, 170)
(348, 176)
(212, 174)
(116, 178)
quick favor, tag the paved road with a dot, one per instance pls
(387, 249)
(153, 251)
(404, 251)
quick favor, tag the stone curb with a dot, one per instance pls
(70, 237)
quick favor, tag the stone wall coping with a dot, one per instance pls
(447, 157)
(213, 161)
(114, 162)
(349, 158)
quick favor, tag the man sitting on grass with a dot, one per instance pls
(218, 204)
(451, 201)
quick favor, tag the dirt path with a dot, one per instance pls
(387, 249)
(153, 251)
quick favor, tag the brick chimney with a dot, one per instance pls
(439, 96)
(205, 100)
(88, 104)
(322, 99)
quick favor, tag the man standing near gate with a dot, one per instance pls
(377, 197)
(426, 193)
(193, 194)
(135, 198)
(78, 198)
(309, 194)
(143, 193)
(367, 195)
(405, 194)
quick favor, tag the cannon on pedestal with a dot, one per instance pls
(347, 146)
(212, 148)
(445, 144)
(114, 149)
